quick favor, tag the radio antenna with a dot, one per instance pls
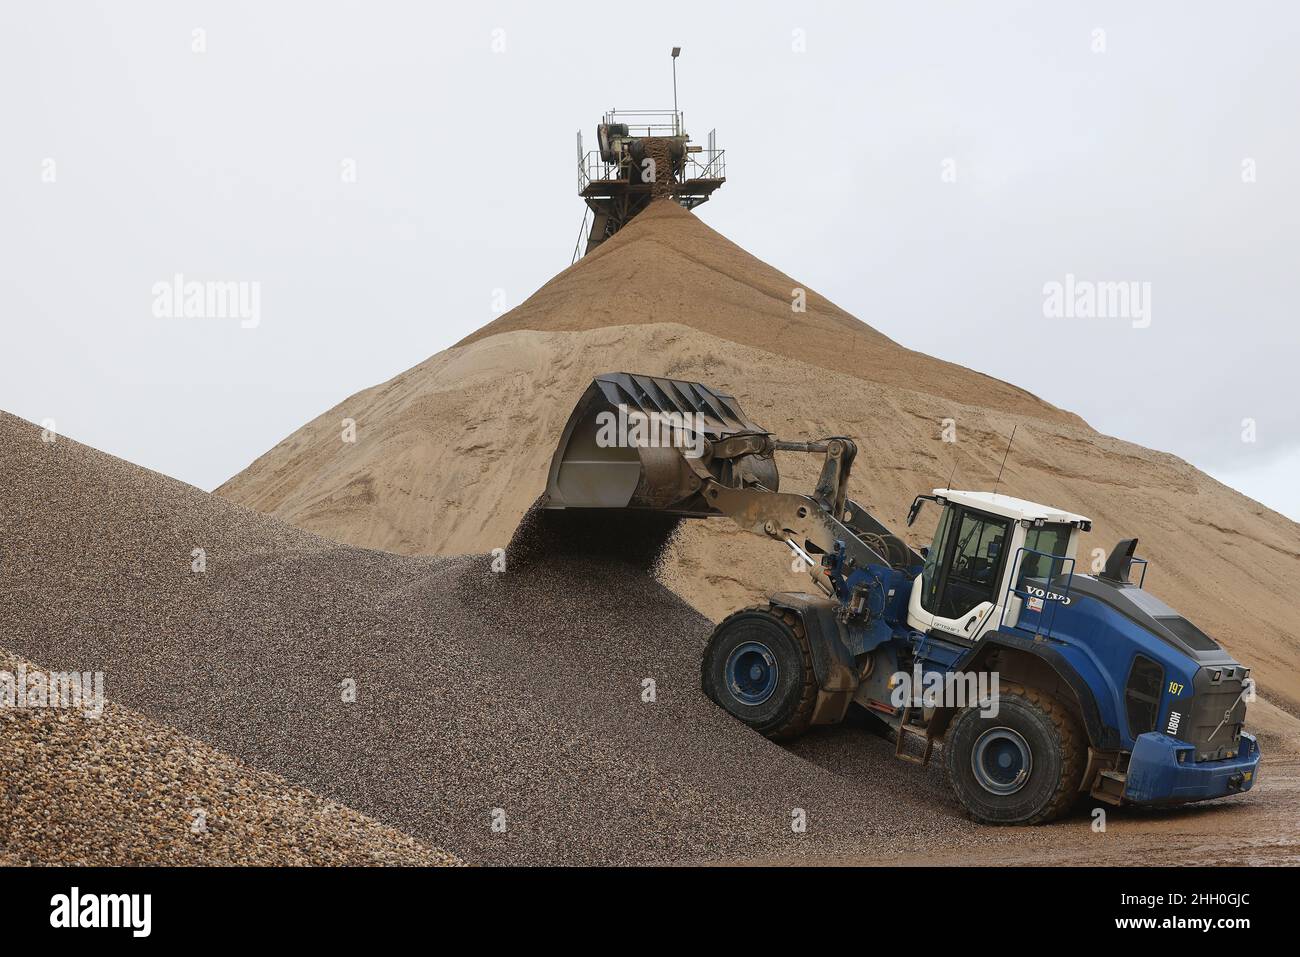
(1004, 458)
(952, 474)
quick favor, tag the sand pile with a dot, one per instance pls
(516, 697)
(450, 453)
(668, 266)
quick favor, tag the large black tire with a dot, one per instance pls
(983, 757)
(777, 691)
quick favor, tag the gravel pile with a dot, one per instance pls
(124, 790)
(119, 789)
(548, 713)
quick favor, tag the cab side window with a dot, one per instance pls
(1052, 539)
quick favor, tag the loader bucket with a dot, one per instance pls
(631, 440)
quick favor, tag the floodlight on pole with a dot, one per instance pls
(677, 51)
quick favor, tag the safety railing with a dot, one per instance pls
(1139, 561)
(591, 168)
(1042, 596)
(711, 166)
(648, 122)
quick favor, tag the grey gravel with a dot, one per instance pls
(511, 697)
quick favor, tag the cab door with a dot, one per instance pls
(959, 589)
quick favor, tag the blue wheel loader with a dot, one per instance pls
(1043, 686)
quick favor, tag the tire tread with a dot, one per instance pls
(1073, 753)
(801, 715)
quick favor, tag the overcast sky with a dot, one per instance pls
(381, 168)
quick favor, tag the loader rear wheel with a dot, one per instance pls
(758, 667)
(1022, 766)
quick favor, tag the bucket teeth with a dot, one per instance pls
(637, 441)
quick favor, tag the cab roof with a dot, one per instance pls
(1009, 506)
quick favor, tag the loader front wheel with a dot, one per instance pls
(758, 667)
(1022, 766)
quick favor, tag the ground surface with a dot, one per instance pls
(1261, 827)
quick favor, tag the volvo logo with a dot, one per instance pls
(1040, 593)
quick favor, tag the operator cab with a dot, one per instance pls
(984, 541)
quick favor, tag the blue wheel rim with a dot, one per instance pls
(751, 672)
(1001, 761)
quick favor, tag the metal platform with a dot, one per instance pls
(610, 179)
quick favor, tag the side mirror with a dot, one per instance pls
(914, 511)
(925, 551)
